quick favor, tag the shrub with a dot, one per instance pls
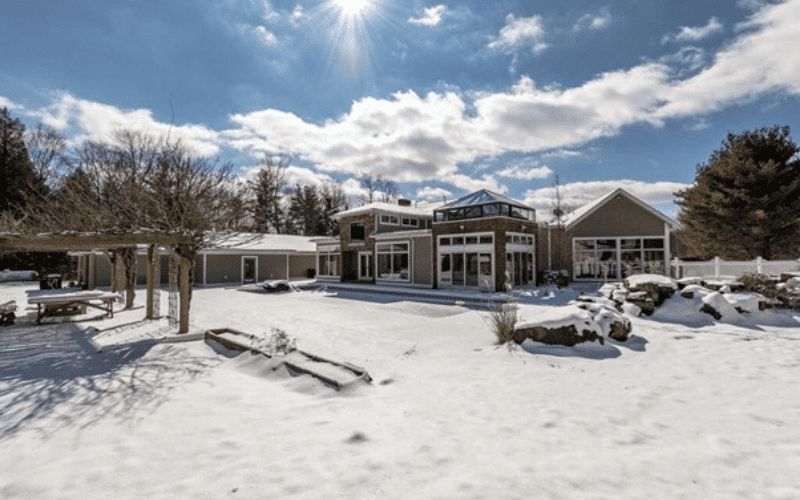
(278, 343)
(503, 320)
(783, 297)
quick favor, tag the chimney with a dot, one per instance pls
(404, 202)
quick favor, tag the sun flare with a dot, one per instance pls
(351, 7)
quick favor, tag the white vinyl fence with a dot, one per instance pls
(731, 268)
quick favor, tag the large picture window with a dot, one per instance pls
(393, 261)
(612, 258)
(356, 231)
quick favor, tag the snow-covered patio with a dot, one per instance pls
(695, 410)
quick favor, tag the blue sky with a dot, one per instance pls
(443, 97)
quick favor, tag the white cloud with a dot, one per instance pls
(527, 174)
(593, 22)
(690, 58)
(578, 194)
(265, 36)
(693, 34)
(434, 194)
(563, 154)
(520, 31)
(761, 61)
(469, 184)
(298, 12)
(5, 102)
(432, 16)
(96, 121)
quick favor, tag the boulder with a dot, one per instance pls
(607, 315)
(567, 326)
(560, 335)
(643, 301)
(658, 288)
(717, 306)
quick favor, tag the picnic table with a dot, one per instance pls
(66, 302)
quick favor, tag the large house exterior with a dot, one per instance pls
(469, 243)
(486, 241)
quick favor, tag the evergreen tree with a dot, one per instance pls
(267, 188)
(745, 201)
(20, 185)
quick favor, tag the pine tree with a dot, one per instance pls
(267, 188)
(20, 185)
(745, 201)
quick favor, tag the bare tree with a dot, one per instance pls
(369, 183)
(387, 188)
(559, 209)
(45, 149)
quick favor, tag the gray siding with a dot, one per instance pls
(272, 267)
(223, 269)
(619, 217)
(299, 266)
(423, 261)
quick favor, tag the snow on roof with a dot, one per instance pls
(418, 209)
(264, 243)
(582, 212)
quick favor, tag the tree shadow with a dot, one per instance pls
(52, 377)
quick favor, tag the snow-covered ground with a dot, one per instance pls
(687, 408)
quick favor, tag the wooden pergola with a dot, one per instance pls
(87, 242)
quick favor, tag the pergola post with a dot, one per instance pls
(151, 278)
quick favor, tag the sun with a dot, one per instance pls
(352, 7)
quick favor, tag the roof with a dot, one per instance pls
(579, 214)
(418, 210)
(411, 233)
(259, 242)
(483, 197)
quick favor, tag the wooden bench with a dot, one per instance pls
(66, 303)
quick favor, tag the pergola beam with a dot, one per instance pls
(73, 242)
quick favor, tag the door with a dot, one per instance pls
(365, 265)
(249, 269)
(458, 269)
(472, 269)
(485, 281)
(445, 272)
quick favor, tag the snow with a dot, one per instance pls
(558, 317)
(421, 210)
(637, 280)
(704, 410)
(9, 275)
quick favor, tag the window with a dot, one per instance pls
(458, 240)
(328, 263)
(390, 220)
(410, 222)
(393, 261)
(356, 231)
(471, 240)
(444, 241)
(609, 258)
(486, 239)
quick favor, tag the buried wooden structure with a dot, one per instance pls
(335, 374)
(114, 242)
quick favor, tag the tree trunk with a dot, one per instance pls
(128, 255)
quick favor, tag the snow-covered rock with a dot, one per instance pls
(747, 302)
(567, 325)
(658, 287)
(607, 314)
(716, 305)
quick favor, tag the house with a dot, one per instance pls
(468, 243)
(485, 240)
(245, 258)
(614, 236)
